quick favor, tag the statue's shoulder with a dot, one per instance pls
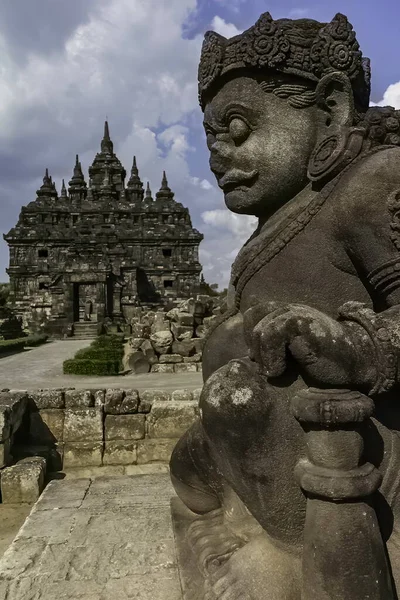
(365, 188)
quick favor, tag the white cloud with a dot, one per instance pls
(298, 13)
(391, 97)
(228, 30)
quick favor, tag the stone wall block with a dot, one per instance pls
(48, 399)
(83, 454)
(184, 319)
(23, 483)
(170, 359)
(162, 368)
(148, 397)
(135, 343)
(197, 394)
(121, 402)
(185, 347)
(83, 425)
(120, 452)
(47, 426)
(186, 368)
(171, 419)
(149, 352)
(99, 397)
(5, 423)
(124, 427)
(79, 399)
(199, 367)
(182, 395)
(155, 450)
(13, 405)
(196, 358)
(162, 341)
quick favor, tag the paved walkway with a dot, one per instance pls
(95, 539)
(42, 368)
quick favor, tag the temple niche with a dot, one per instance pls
(98, 250)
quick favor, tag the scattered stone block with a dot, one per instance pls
(155, 450)
(79, 399)
(53, 455)
(185, 347)
(199, 367)
(160, 323)
(124, 427)
(162, 368)
(83, 454)
(181, 332)
(23, 483)
(182, 395)
(140, 330)
(149, 352)
(184, 319)
(162, 341)
(137, 363)
(121, 402)
(148, 397)
(46, 426)
(208, 321)
(83, 425)
(47, 399)
(171, 419)
(199, 345)
(5, 423)
(196, 358)
(170, 359)
(186, 368)
(13, 405)
(120, 452)
(135, 343)
(201, 331)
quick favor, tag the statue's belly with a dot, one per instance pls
(225, 343)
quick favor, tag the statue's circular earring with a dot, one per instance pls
(334, 153)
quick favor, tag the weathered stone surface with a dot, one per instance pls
(186, 368)
(140, 330)
(162, 341)
(135, 343)
(120, 452)
(155, 450)
(124, 427)
(170, 359)
(137, 363)
(201, 330)
(83, 454)
(185, 347)
(83, 425)
(13, 405)
(53, 454)
(160, 323)
(23, 483)
(208, 321)
(162, 368)
(149, 352)
(196, 358)
(79, 399)
(171, 419)
(5, 453)
(182, 395)
(197, 394)
(181, 332)
(148, 397)
(48, 398)
(99, 397)
(121, 402)
(184, 319)
(199, 367)
(47, 426)
(198, 345)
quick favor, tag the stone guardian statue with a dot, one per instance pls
(293, 466)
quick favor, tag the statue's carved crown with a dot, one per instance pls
(304, 48)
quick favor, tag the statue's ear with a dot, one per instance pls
(335, 103)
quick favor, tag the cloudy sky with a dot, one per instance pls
(66, 65)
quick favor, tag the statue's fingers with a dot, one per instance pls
(274, 335)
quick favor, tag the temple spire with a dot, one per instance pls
(47, 190)
(135, 185)
(165, 192)
(148, 191)
(107, 146)
(63, 190)
(77, 186)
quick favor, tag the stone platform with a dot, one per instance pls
(95, 539)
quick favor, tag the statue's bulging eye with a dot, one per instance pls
(238, 130)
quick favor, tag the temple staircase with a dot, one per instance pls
(85, 330)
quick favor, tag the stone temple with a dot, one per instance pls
(98, 250)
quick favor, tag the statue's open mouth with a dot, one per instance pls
(237, 179)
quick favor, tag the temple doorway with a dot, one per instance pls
(85, 306)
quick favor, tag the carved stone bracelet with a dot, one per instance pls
(376, 327)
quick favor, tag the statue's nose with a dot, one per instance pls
(220, 158)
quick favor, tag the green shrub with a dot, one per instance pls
(36, 339)
(102, 357)
(12, 345)
(76, 366)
